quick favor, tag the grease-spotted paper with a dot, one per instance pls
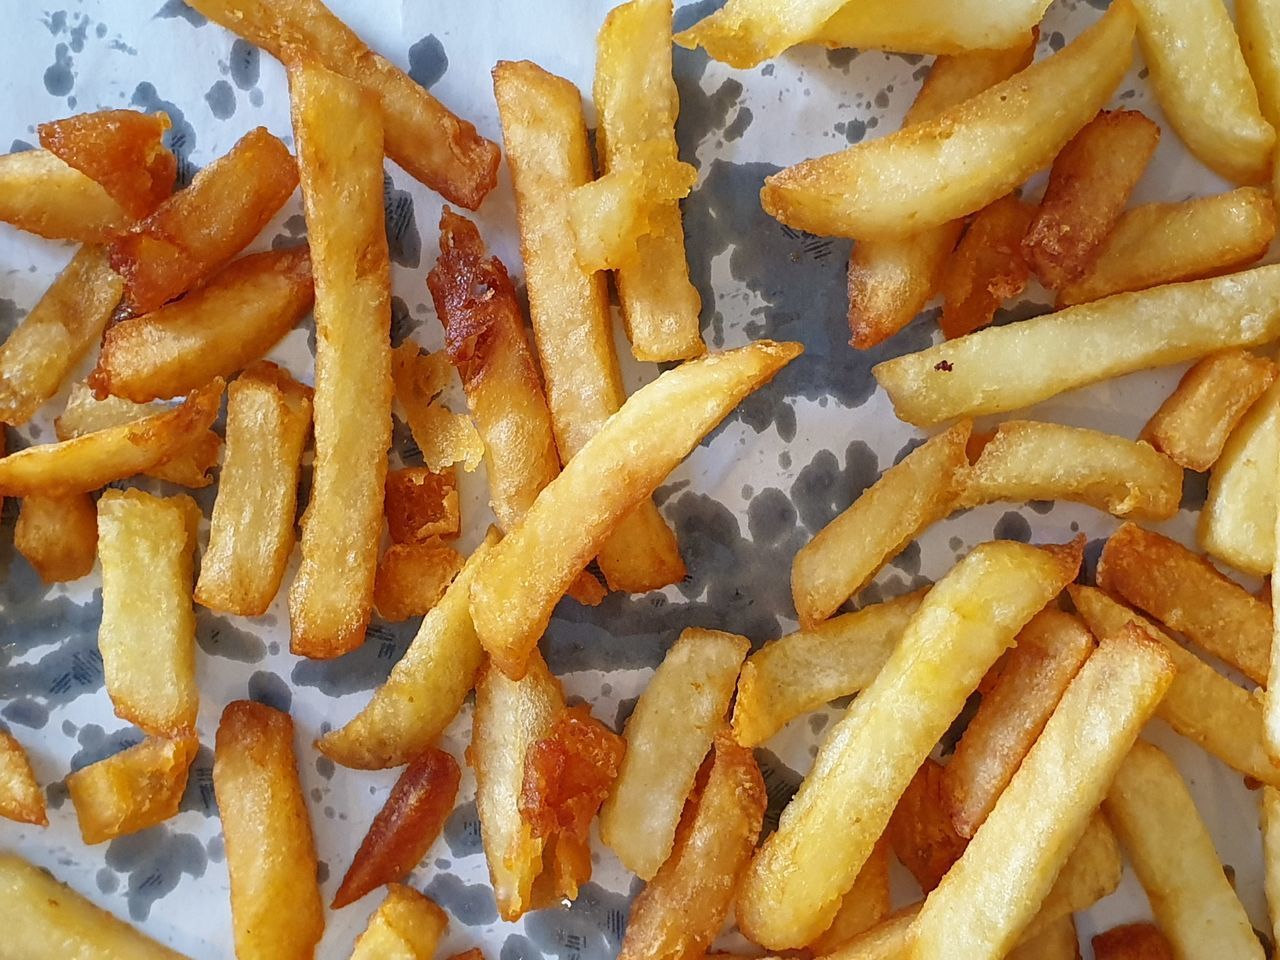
(780, 468)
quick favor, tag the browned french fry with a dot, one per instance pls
(58, 535)
(865, 904)
(443, 437)
(412, 577)
(42, 194)
(21, 798)
(987, 268)
(406, 926)
(1133, 941)
(920, 830)
(133, 789)
(421, 504)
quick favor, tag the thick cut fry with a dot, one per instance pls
(271, 858)
(1048, 355)
(1030, 460)
(1089, 186)
(197, 230)
(251, 534)
(133, 789)
(529, 571)
(1270, 817)
(58, 535)
(148, 633)
(1133, 941)
(405, 828)
(406, 926)
(425, 689)
(793, 886)
(920, 830)
(120, 149)
(1192, 425)
(1028, 685)
(240, 314)
(422, 135)
(1204, 87)
(1258, 26)
(804, 670)
(443, 437)
(986, 900)
(412, 577)
(1173, 856)
(43, 195)
(21, 798)
(421, 504)
(1169, 242)
(681, 910)
(848, 552)
(340, 156)
(46, 346)
(865, 904)
(46, 920)
(931, 173)
(668, 735)
(548, 153)
(988, 266)
(1057, 942)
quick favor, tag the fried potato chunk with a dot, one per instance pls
(21, 798)
(58, 535)
(412, 577)
(421, 503)
(43, 195)
(1132, 941)
(987, 268)
(131, 790)
(444, 437)
(407, 926)
(920, 830)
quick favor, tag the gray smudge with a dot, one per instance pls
(96, 744)
(780, 785)
(155, 861)
(363, 668)
(427, 60)
(221, 100)
(181, 137)
(462, 831)
(244, 64)
(199, 795)
(59, 78)
(266, 687)
(403, 241)
(220, 637)
(177, 8)
(1012, 526)
(590, 928)
(471, 904)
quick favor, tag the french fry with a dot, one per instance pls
(215, 331)
(406, 926)
(412, 577)
(275, 899)
(1192, 425)
(21, 798)
(58, 535)
(421, 504)
(802, 671)
(1160, 243)
(1133, 941)
(1258, 27)
(682, 908)
(1057, 942)
(47, 920)
(405, 828)
(1173, 856)
(1115, 336)
(1089, 186)
(529, 571)
(865, 904)
(668, 735)
(133, 789)
(1029, 683)
(46, 346)
(793, 887)
(251, 533)
(44, 195)
(197, 230)
(1270, 820)
(987, 268)
(339, 138)
(443, 437)
(974, 153)
(422, 135)
(1271, 694)
(846, 554)
(920, 830)
(1204, 88)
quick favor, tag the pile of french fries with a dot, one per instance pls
(1010, 834)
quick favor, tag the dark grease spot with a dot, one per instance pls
(155, 861)
(108, 882)
(626, 707)
(26, 713)
(1195, 487)
(177, 8)
(780, 785)
(1040, 506)
(199, 795)
(96, 744)
(266, 687)
(590, 928)
(58, 77)
(402, 323)
(295, 234)
(739, 126)
(403, 241)
(221, 100)
(244, 64)
(822, 489)
(462, 831)
(1089, 566)
(427, 60)
(855, 130)
(220, 637)
(471, 904)
(960, 724)
(363, 668)
(841, 57)
(1012, 526)
(10, 314)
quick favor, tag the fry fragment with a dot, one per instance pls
(21, 798)
(43, 195)
(1133, 941)
(412, 577)
(987, 268)
(421, 504)
(58, 535)
(865, 904)
(133, 789)
(406, 926)
(445, 438)
(920, 830)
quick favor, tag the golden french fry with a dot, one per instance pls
(1173, 856)
(133, 789)
(865, 904)
(920, 830)
(412, 577)
(42, 194)
(1270, 817)
(443, 437)
(406, 926)
(668, 735)
(987, 268)
(1133, 941)
(1258, 26)
(1270, 695)
(421, 504)
(21, 798)
(58, 535)
(1057, 942)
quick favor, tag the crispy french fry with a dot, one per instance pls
(21, 798)
(1173, 856)
(275, 900)
(340, 158)
(865, 904)
(1270, 819)
(1029, 683)
(1204, 87)
(987, 268)
(744, 33)
(412, 577)
(920, 830)
(443, 437)
(1133, 941)
(133, 789)
(406, 926)
(806, 669)
(421, 504)
(43, 195)
(1258, 26)
(58, 535)
(1115, 336)
(847, 553)
(1057, 942)
(1169, 242)
(793, 886)
(668, 735)
(1089, 186)
(970, 155)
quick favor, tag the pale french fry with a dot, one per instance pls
(668, 734)
(1258, 26)
(1089, 186)
(406, 926)
(58, 535)
(251, 533)
(1029, 683)
(920, 830)
(275, 900)
(21, 798)
(443, 437)
(1204, 87)
(970, 155)
(548, 153)
(1169, 242)
(1173, 856)
(1057, 942)
(804, 670)
(612, 215)
(529, 571)
(846, 554)
(682, 908)
(42, 194)
(133, 789)
(987, 268)
(421, 504)
(1192, 425)
(1270, 817)
(49, 342)
(339, 136)
(865, 904)
(1115, 336)
(793, 887)
(412, 577)
(1133, 941)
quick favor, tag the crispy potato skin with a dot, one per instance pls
(421, 504)
(58, 535)
(133, 789)
(987, 268)
(1133, 941)
(920, 830)
(412, 577)
(21, 798)
(43, 195)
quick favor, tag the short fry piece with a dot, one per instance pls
(1133, 941)
(421, 504)
(987, 268)
(863, 906)
(921, 832)
(275, 901)
(668, 735)
(58, 535)
(133, 789)
(21, 798)
(412, 577)
(407, 926)
(43, 195)
(443, 437)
